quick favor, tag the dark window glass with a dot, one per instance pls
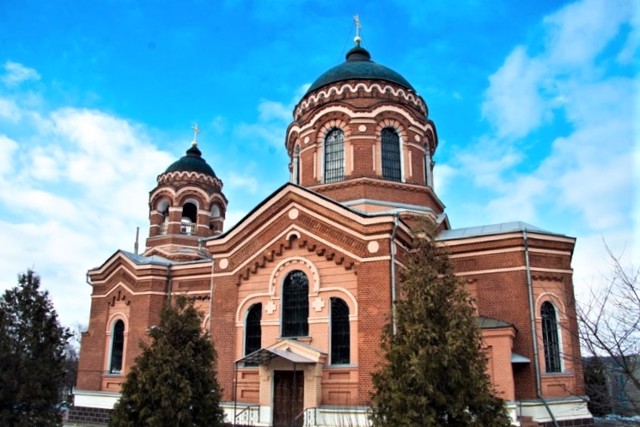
(390, 155)
(117, 347)
(295, 305)
(334, 156)
(340, 335)
(252, 330)
(550, 337)
(190, 211)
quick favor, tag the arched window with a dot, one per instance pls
(550, 338)
(340, 334)
(334, 156)
(252, 329)
(391, 155)
(295, 305)
(189, 218)
(117, 347)
(296, 165)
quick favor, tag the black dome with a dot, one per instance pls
(191, 162)
(359, 66)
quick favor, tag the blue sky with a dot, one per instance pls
(536, 106)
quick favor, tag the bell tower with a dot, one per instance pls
(187, 204)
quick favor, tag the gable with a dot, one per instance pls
(296, 218)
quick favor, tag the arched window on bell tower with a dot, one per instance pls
(391, 164)
(334, 155)
(163, 209)
(189, 218)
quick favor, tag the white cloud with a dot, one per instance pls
(9, 110)
(443, 176)
(575, 82)
(71, 196)
(243, 181)
(513, 102)
(271, 110)
(487, 162)
(7, 147)
(16, 73)
(577, 33)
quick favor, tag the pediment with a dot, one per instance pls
(297, 218)
(287, 349)
(126, 267)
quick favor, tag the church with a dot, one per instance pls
(296, 294)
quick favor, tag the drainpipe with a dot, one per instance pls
(213, 264)
(392, 247)
(534, 333)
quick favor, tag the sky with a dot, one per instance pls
(536, 106)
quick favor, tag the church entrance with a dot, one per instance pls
(288, 398)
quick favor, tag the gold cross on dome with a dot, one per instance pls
(356, 22)
(196, 131)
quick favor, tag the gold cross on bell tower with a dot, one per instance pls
(356, 22)
(196, 131)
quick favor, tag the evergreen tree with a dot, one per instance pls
(596, 387)
(32, 356)
(434, 372)
(173, 382)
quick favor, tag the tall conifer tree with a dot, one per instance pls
(173, 382)
(434, 370)
(32, 356)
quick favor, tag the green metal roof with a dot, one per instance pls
(192, 161)
(359, 66)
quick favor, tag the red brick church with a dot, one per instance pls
(296, 294)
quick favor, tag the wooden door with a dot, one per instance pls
(288, 398)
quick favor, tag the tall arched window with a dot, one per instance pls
(117, 347)
(296, 165)
(550, 338)
(340, 334)
(295, 305)
(391, 155)
(252, 329)
(334, 156)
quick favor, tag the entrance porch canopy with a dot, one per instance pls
(265, 355)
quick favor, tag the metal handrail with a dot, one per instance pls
(246, 409)
(302, 413)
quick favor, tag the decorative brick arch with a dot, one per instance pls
(115, 317)
(163, 194)
(192, 195)
(327, 126)
(345, 295)
(290, 264)
(247, 303)
(395, 124)
(555, 300)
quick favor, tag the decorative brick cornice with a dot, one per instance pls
(393, 185)
(172, 177)
(352, 90)
(278, 249)
(118, 298)
(547, 277)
